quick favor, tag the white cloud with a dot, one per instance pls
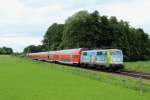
(136, 11)
(23, 25)
(19, 42)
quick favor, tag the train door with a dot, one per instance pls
(76, 58)
(84, 57)
(92, 57)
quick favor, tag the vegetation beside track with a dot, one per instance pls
(139, 66)
(24, 79)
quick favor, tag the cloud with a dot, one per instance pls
(133, 11)
(22, 25)
(28, 20)
(17, 43)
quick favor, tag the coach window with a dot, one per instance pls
(75, 56)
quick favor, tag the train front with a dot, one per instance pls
(115, 59)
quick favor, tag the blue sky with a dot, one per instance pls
(24, 22)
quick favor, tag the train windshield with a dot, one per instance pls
(117, 56)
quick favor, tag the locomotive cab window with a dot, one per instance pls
(85, 53)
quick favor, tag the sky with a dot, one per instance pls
(24, 22)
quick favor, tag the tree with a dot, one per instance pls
(52, 38)
(6, 50)
(33, 49)
(81, 30)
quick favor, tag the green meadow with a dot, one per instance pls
(25, 79)
(139, 66)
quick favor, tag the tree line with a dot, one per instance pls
(92, 30)
(5, 51)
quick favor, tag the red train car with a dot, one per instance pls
(70, 56)
(39, 56)
(53, 56)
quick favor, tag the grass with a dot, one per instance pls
(141, 66)
(24, 79)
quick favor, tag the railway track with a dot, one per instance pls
(134, 74)
(121, 72)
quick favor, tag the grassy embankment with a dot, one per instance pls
(24, 79)
(140, 66)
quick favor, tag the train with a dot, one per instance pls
(108, 59)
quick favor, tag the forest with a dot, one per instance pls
(5, 51)
(96, 31)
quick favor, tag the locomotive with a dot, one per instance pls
(110, 59)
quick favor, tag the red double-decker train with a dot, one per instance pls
(70, 56)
